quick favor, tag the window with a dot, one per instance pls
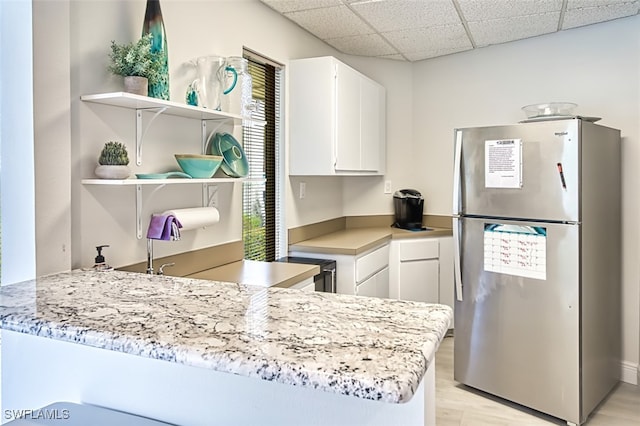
(262, 224)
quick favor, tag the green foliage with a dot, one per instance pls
(136, 59)
(253, 235)
(114, 154)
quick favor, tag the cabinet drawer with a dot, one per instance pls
(371, 263)
(419, 249)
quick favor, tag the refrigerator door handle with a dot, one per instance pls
(457, 276)
(456, 172)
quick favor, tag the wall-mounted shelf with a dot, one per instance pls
(119, 182)
(131, 101)
(157, 107)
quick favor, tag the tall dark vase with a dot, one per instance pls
(154, 24)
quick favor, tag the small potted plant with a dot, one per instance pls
(137, 64)
(113, 161)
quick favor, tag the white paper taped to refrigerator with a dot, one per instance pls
(503, 163)
(516, 250)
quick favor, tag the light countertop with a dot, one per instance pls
(264, 274)
(353, 241)
(377, 349)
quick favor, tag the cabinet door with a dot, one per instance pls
(347, 118)
(306, 285)
(368, 287)
(372, 125)
(382, 283)
(419, 281)
(311, 116)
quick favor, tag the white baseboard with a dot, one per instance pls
(630, 372)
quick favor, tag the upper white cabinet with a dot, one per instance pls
(337, 120)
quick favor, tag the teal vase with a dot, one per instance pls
(154, 24)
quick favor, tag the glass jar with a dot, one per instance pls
(240, 99)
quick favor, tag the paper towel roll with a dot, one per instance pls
(196, 217)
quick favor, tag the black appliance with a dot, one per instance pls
(408, 205)
(326, 280)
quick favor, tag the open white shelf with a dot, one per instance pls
(132, 101)
(132, 181)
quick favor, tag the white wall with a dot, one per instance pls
(16, 128)
(597, 67)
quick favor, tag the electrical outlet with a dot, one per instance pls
(303, 190)
(387, 187)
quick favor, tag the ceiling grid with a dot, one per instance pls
(413, 30)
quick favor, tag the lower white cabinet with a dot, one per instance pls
(375, 286)
(305, 285)
(421, 270)
(365, 274)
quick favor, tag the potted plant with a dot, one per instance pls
(137, 64)
(113, 161)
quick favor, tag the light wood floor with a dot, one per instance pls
(457, 404)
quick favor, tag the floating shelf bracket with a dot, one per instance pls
(140, 131)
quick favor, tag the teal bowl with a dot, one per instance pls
(199, 166)
(235, 162)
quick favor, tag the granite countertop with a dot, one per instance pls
(265, 274)
(377, 349)
(353, 241)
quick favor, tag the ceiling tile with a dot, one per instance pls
(433, 53)
(330, 22)
(444, 38)
(482, 10)
(363, 45)
(578, 4)
(393, 15)
(496, 31)
(397, 57)
(577, 17)
(294, 5)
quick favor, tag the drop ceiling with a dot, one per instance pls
(413, 30)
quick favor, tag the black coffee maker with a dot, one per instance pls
(408, 205)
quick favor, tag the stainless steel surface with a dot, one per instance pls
(601, 265)
(518, 337)
(552, 342)
(456, 258)
(542, 196)
(325, 281)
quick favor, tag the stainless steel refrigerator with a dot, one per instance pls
(536, 226)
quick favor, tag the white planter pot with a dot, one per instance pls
(113, 172)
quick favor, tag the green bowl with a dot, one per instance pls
(199, 166)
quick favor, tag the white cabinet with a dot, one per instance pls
(365, 274)
(375, 286)
(337, 120)
(421, 269)
(305, 285)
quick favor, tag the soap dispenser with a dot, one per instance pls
(100, 264)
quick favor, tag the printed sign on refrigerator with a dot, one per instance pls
(516, 250)
(503, 163)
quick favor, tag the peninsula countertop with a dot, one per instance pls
(376, 349)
